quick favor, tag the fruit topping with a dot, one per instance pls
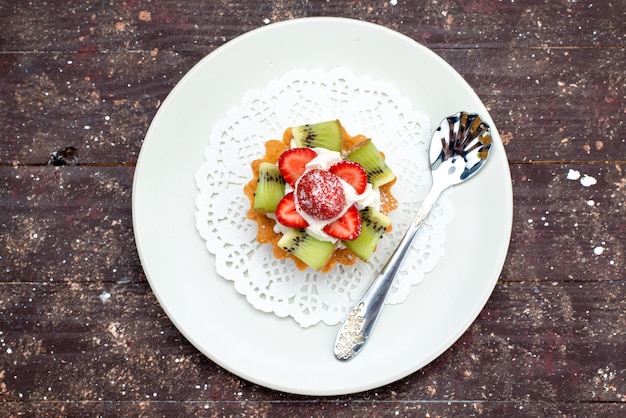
(307, 190)
(366, 154)
(269, 189)
(352, 173)
(312, 251)
(319, 135)
(346, 228)
(292, 163)
(374, 225)
(320, 194)
(287, 215)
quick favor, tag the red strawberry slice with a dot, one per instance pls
(351, 172)
(292, 163)
(287, 215)
(346, 228)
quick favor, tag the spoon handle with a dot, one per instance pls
(360, 322)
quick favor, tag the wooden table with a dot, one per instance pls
(81, 333)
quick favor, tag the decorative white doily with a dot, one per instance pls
(363, 106)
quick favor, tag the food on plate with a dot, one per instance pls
(321, 196)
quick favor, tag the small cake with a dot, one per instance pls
(321, 196)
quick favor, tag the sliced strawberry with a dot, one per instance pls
(346, 228)
(351, 172)
(292, 163)
(287, 215)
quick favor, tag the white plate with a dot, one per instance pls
(261, 347)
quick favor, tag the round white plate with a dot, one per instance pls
(261, 347)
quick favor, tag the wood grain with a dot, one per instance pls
(547, 107)
(81, 332)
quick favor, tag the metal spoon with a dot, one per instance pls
(458, 149)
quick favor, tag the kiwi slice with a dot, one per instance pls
(366, 154)
(373, 227)
(318, 135)
(312, 251)
(269, 189)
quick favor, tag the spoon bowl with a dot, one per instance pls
(464, 141)
(458, 149)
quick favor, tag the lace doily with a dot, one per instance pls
(363, 106)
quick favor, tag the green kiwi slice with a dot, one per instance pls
(312, 251)
(318, 135)
(269, 189)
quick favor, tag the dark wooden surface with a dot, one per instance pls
(551, 341)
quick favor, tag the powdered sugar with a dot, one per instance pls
(319, 194)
